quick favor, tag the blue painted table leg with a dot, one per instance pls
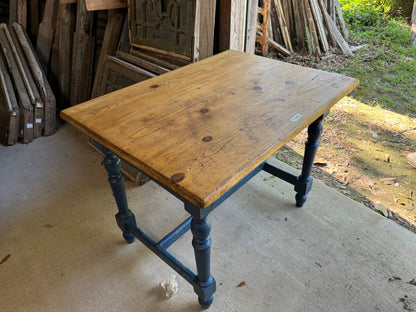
(305, 180)
(112, 164)
(204, 284)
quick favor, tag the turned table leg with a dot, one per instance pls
(311, 146)
(205, 283)
(124, 217)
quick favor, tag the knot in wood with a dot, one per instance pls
(207, 139)
(177, 177)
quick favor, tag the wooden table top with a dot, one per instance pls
(201, 128)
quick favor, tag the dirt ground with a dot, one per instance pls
(363, 155)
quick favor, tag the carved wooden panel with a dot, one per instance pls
(165, 25)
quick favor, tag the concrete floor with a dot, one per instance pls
(66, 252)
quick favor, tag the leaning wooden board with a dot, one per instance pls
(31, 88)
(41, 81)
(26, 109)
(9, 110)
(200, 129)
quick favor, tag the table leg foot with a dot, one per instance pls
(206, 304)
(123, 222)
(124, 217)
(205, 284)
(304, 184)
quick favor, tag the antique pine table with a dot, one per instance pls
(201, 132)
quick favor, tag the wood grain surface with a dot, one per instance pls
(201, 128)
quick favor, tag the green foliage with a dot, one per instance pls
(359, 14)
(386, 67)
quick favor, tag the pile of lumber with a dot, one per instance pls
(312, 26)
(27, 104)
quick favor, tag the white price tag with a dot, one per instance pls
(296, 117)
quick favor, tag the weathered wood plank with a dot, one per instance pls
(154, 68)
(312, 29)
(250, 42)
(66, 35)
(299, 25)
(279, 47)
(341, 20)
(34, 17)
(22, 13)
(9, 109)
(124, 42)
(333, 30)
(13, 11)
(82, 54)
(53, 76)
(206, 115)
(224, 21)
(29, 83)
(46, 33)
(154, 60)
(283, 25)
(94, 5)
(320, 25)
(112, 33)
(41, 81)
(206, 28)
(26, 109)
(237, 25)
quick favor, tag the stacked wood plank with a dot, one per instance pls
(314, 26)
(27, 103)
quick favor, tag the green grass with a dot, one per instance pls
(386, 66)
